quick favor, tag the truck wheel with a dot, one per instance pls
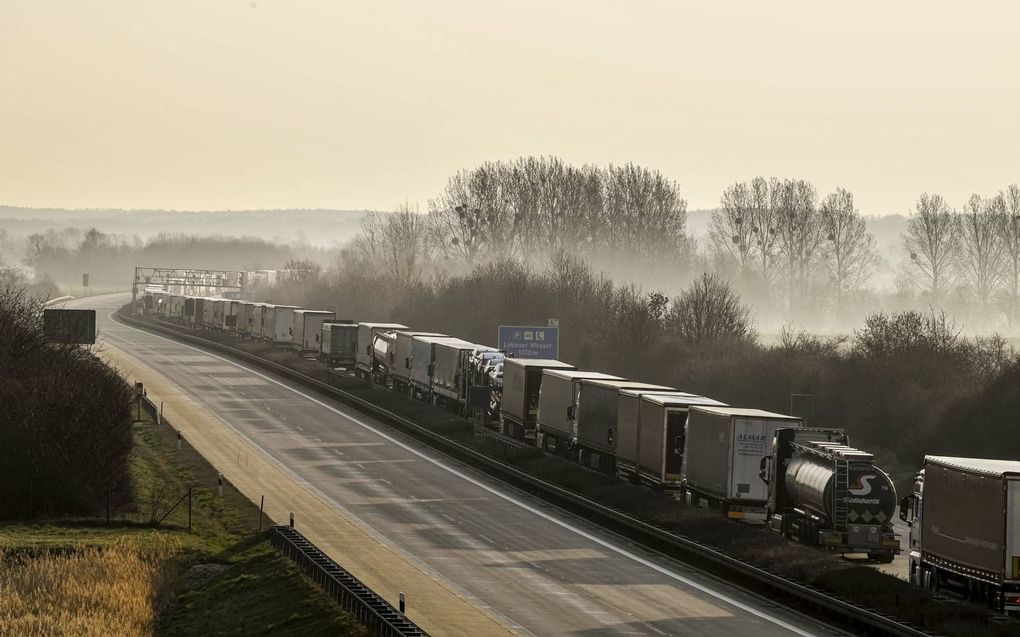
(881, 558)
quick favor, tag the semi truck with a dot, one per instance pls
(722, 459)
(824, 493)
(522, 383)
(651, 431)
(450, 369)
(244, 318)
(366, 335)
(964, 518)
(401, 367)
(339, 343)
(595, 419)
(308, 329)
(383, 344)
(423, 352)
(258, 322)
(557, 408)
(278, 324)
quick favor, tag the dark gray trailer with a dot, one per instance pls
(450, 369)
(598, 403)
(522, 383)
(964, 518)
(557, 407)
(339, 346)
(651, 431)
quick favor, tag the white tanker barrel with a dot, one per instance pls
(810, 481)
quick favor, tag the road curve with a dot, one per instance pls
(534, 568)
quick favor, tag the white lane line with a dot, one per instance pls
(524, 505)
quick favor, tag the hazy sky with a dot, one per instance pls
(208, 104)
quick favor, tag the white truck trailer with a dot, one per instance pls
(308, 329)
(723, 454)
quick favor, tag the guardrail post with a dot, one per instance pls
(179, 436)
(402, 602)
(219, 485)
(292, 519)
(262, 507)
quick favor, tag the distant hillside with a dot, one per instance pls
(317, 227)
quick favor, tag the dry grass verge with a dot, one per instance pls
(116, 590)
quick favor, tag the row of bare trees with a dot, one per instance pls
(540, 205)
(973, 252)
(780, 235)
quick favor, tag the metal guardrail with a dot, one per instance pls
(370, 610)
(685, 549)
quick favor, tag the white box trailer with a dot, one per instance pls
(651, 431)
(278, 326)
(366, 336)
(423, 352)
(401, 370)
(723, 455)
(259, 320)
(208, 312)
(557, 407)
(595, 420)
(243, 322)
(308, 329)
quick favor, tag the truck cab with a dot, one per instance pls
(910, 512)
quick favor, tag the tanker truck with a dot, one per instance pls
(825, 493)
(964, 517)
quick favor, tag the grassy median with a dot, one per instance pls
(135, 576)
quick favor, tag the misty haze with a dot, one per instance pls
(415, 292)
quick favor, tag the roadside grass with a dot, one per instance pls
(853, 582)
(137, 577)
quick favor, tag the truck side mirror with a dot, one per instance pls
(906, 504)
(765, 468)
(570, 412)
(407, 363)
(678, 445)
(609, 436)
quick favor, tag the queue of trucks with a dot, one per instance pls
(806, 483)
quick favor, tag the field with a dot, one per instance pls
(136, 577)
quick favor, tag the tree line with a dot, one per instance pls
(65, 421)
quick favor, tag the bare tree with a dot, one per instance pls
(981, 246)
(730, 228)
(539, 205)
(709, 310)
(1008, 205)
(766, 196)
(406, 245)
(932, 240)
(801, 232)
(852, 252)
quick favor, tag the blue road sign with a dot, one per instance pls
(523, 341)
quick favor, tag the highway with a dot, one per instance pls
(534, 568)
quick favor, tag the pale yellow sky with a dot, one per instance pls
(211, 104)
